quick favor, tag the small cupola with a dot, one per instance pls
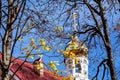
(76, 57)
(75, 47)
(39, 66)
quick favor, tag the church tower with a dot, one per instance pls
(76, 57)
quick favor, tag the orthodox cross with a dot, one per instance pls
(74, 17)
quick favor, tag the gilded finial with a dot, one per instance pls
(74, 17)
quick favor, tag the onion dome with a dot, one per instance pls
(75, 48)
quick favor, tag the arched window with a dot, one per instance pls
(78, 68)
(70, 71)
(70, 66)
(70, 61)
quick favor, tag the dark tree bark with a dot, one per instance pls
(13, 9)
(105, 35)
(7, 41)
(107, 43)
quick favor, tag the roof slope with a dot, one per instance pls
(25, 71)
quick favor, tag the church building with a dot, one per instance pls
(76, 57)
(76, 60)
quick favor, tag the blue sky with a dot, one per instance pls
(96, 54)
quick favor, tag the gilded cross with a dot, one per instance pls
(74, 17)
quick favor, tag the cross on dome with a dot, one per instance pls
(74, 36)
(75, 24)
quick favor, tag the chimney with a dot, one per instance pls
(39, 66)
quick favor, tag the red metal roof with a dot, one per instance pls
(27, 72)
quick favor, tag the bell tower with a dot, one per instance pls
(76, 57)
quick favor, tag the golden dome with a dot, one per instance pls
(75, 48)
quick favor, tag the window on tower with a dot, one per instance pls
(70, 66)
(70, 61)
(70, 71)
(78, 68)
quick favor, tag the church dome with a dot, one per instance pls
(75, 48)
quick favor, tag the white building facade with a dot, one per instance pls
(76, 60)
(76, 57)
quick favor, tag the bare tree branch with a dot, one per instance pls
(22, 4)
(98, 69)
(104, 71)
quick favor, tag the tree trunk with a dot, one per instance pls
(7, 41)
(109, 53)
(107, 43)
